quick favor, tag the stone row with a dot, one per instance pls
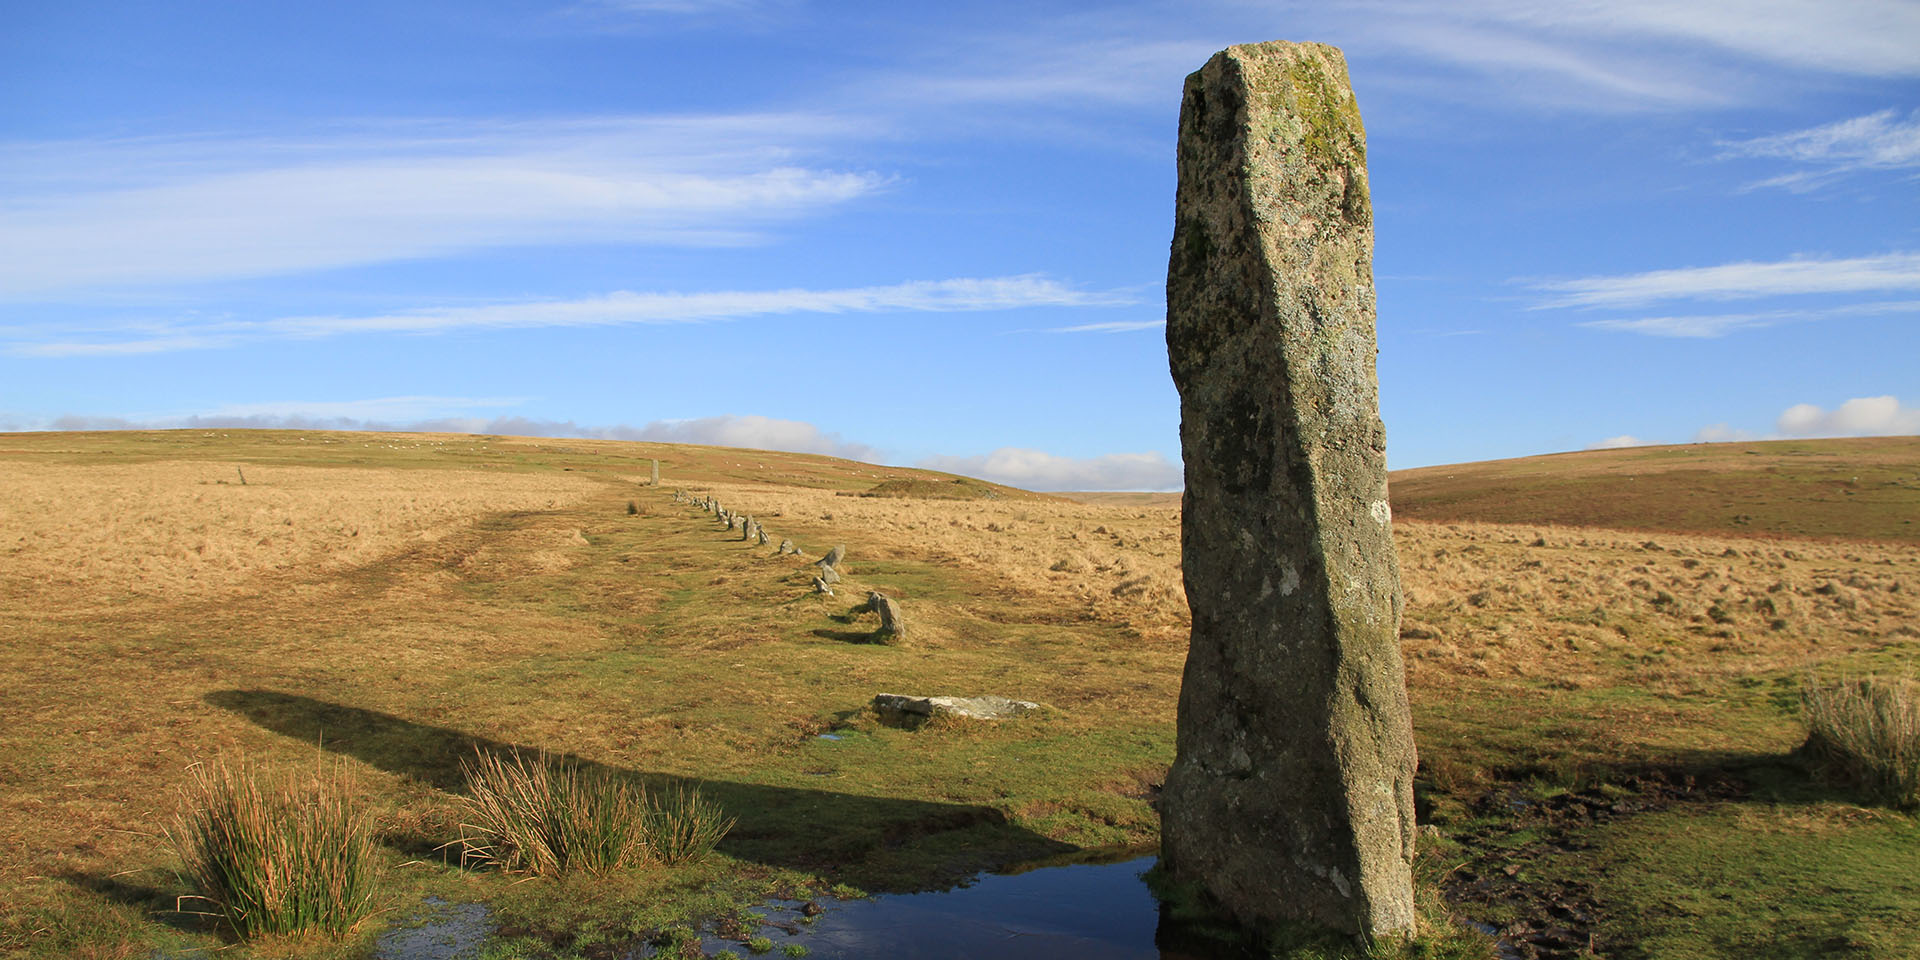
(892, 624)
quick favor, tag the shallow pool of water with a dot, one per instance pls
(1099, 909)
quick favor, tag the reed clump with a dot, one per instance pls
(544, 817)
(277, 854)
(1866, 730)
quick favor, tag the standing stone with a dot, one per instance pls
(820, 586)
(656, 473)
(829, 574)
(833, 557)
(746, 529)
(786, 547)
(760, 535)
(1291, 793)
(892, 627)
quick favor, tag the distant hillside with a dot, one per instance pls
(680, 464)
(1857, 489)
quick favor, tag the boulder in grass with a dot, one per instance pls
(970, 708)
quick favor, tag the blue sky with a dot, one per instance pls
(936, 234)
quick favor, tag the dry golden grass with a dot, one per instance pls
(102, 534)
(1112, 563)
(1576, 605)
(1580, 606)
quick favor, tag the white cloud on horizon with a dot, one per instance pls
(1858, 417)
(83, 215)
(1038, 470)
(1739, 281)
(963, 294)
(1724, 433)
(753, 432)
(1883, 416)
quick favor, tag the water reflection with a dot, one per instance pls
(1085, 909)
(1095, 905)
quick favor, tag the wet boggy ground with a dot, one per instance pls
(1555, 918)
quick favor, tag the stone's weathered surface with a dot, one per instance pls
(759, 535)
(892, 626)
(786, 547)
(829, 574)
(656, 473)
(1291, 793)
(833, 557)
(974, 708)
(820, 586)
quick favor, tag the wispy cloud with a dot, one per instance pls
(1708, 326)
(1739, 281)
(1877, 141)
(1617, 443)
(1113, 326)
(1604, 56)
(933, 296)
(1554, 71)
(1860, 37)
(1038, 470)
(82, 215)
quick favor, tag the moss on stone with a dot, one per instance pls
(1331, 119)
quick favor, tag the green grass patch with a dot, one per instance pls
(1786, 881)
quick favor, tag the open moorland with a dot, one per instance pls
(1604, 652)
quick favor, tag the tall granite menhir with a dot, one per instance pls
(1291, 793)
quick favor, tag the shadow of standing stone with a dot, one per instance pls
(1290, 799)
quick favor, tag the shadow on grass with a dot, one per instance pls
(883, 844)
(850, 636)
(160, 904)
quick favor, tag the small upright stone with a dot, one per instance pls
(746, 529)
(786, 547)
(760, 535)
(833, 557)
(1291, 793)
(892, 627)
(820, 586)
(829, 574)
(656, 473)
